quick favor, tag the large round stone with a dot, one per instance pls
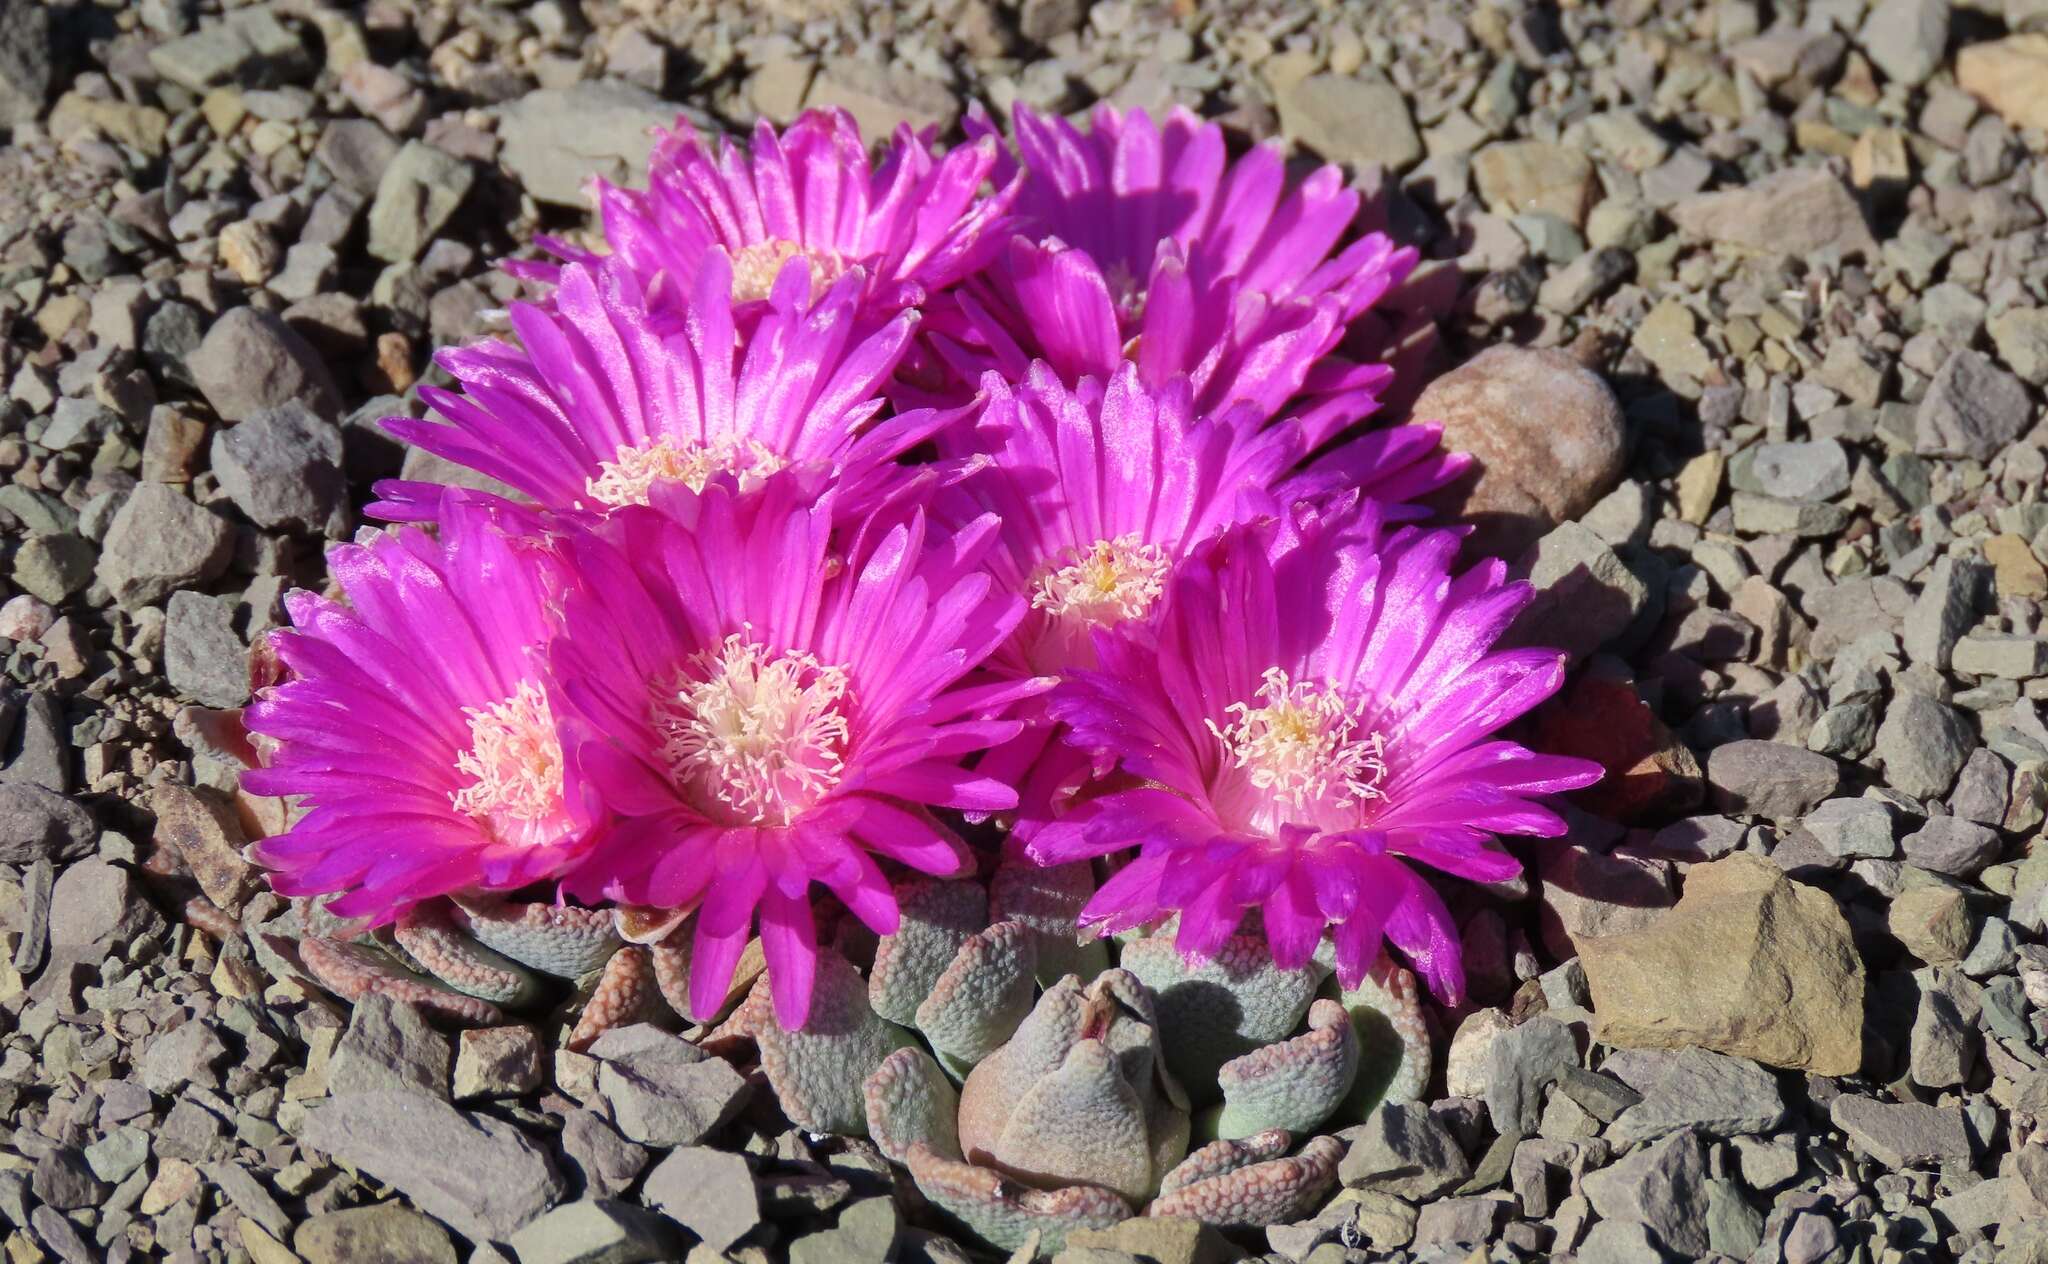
(1545, 434)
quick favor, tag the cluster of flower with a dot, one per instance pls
(856, 499)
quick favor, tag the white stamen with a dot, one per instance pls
(629, 477)
(1109, 582)
(1304, 743)
(755, 267)
(514, 757)
(762, 733)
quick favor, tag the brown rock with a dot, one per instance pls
(1651, 775)
(1749, 963)
(205, 831)
(2010, 76)
(1546, 437)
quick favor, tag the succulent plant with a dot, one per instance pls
(1077, 1108)
(1014, 1107)
(470, 961)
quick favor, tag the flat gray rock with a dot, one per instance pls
(1755, 778)
(1923, 744)
(596, 1231)
(1661, 1186)
(38, 823)
(1972, 408)
(282, 467)
(1403, 1150)
(709, 1192)
(160, 542)
(1902, 1134)
(203, 658)
(1797, 211)
(556, 139)
(1719, 1095)
(481, 1175)
(251, 360)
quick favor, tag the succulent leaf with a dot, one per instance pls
(1081, 1124)
(910, 1101)
(354, 971)
(935, 920)
(1393, 1040)
(428, 934)
(982, 996)
(1049, 901)
(818, 1073)
(556, 939)
(1115, 1009)
(624, 992)
(1243, 1184)
(1004, 1212)
(1221, 1157)
(1222, 1008)
(1293, 1084)
(671, 958)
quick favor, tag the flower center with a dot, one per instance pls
(1127, 292)
(629, 477)
(755, 267)
(761, 732)
(1304, 744)
(1110, 581)
(514, 759)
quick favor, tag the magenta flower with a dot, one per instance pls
(1099, 490)
(1317, 716)
(915, 226)
(1148, 242)
(600, 401)
(767, 711)
(419, 725)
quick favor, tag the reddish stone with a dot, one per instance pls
(1600, 716)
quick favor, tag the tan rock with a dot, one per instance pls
(776, 88)
(1667, 339)
(262, 1248)
(140, 127)
(2017, 572)
(1933, 921)
(1880, 160)
(1748, 963)
(1324, 112)
(1699, 485)
(2010, 76)
(1546, 435)
(249, 252)
(386, 1231)
(1533, 175)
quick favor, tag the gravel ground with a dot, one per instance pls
(1781, 996)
